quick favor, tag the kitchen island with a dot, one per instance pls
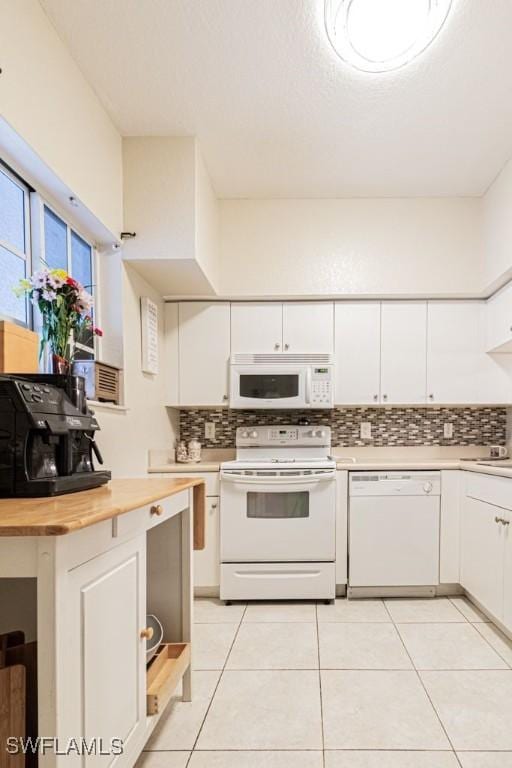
(78, 574)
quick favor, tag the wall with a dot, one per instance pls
(207, 221)
(390, 426)
(497, 225)
(125, 438)
(354, 247)
(46, 100)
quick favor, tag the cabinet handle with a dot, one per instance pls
(431, 397)
(384, 397)
(147, 633)
(375, 397)
(214, 506)
(497, 519)
(156, 509)
(276, 346)
(225, 397)
(501, 520)
(287, 346)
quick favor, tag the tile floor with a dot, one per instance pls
(398, 683)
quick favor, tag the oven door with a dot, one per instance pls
(277, 516)
(274, 386)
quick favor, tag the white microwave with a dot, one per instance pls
(281, 381)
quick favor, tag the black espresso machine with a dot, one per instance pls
(46, 436)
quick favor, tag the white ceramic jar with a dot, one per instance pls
(194, 451)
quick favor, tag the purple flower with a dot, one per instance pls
(39, 278)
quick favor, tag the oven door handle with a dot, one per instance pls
(302, 481)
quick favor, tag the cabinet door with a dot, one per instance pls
(403, 352)
(256, 327)
(357, 355)
(207, 560)
(455, 353)
(507, 581)
(171, 354)
(204, 353)
(105, 662)
(482, 559)
(499, 321)
(308, 327)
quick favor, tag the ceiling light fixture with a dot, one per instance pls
(383, 35)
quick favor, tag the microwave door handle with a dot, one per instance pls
(308, 386)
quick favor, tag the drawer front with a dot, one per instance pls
(277, 581)
(211, 481)
(144, 518)
(490, 488)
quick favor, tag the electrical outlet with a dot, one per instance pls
(209, 430)
(448, 430)
(365, 430)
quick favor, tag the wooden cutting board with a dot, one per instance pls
(12, 713)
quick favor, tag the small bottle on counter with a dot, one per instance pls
(181, 452)
(194, 451)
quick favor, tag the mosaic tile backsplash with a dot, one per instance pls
(390, 426)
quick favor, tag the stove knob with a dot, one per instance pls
(253, 434)
(319, 433)
(244, 434)
(427, 487)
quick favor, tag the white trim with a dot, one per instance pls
(25, 256)
(108, 406)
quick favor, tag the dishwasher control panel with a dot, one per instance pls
(418, 483)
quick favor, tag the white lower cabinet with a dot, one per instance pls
(207, 560)
(483, 554)
(449, 544)
(507, 581)
(104, 653)
(486, 551)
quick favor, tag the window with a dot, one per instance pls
(14, 245)
(63, 248)
(55, 244)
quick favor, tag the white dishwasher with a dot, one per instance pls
(394, 529)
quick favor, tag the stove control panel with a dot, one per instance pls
(313, 435)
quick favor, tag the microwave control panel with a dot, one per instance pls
(321, 386)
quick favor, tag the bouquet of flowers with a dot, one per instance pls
(65, 307)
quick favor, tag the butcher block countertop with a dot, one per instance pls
(58, 515)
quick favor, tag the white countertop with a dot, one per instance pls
(201, 466)
(429, 464)
(365, 465)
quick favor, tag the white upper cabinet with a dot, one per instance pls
(308, 327)
(357, 352)
(203, 353)
(295, 327)
(403, 352)
(256, 327)
(499, 321)
(455, 351)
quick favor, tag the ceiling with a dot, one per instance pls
(276, 112)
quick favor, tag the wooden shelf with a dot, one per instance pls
(164, 673)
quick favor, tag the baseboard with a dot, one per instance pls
(492, 619)
(206, 591)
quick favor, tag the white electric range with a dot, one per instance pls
(277, 529)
